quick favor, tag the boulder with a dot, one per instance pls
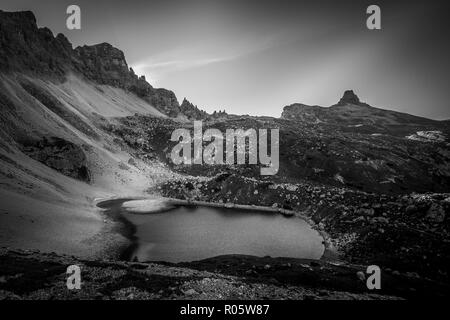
(60, 155)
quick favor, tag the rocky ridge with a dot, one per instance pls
(350, 112)
(28, 49)
(191, 111)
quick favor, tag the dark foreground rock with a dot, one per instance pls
(35, 275)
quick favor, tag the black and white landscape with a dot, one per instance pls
(87, 177)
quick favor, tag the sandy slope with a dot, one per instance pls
(107, 101)
(43, 209)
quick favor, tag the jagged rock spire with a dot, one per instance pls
(349, 97)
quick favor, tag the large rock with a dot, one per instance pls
(436, 213)
(349, 97)
(61, 155)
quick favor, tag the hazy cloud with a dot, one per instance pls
(183, 58)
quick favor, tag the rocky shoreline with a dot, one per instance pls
(28, 274)
(357, 225)
(161, 204)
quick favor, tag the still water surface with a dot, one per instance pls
(194, 233)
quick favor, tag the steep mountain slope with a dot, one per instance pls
(28, 49)
(55, 155)
(33, 112)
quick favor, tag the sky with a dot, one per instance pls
(255, 57)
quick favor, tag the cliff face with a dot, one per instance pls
(106, 64)
(26, 48)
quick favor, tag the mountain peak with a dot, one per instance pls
(349, 97)
(191, 111)
(24, 47)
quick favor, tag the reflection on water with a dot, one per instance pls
(194, 233)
